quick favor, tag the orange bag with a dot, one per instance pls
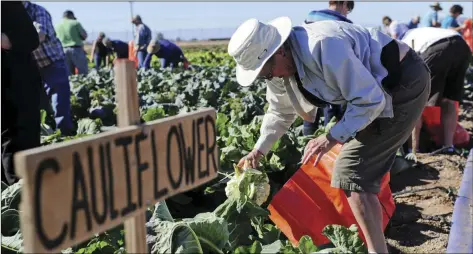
(132, 53)
(468, 33)
(431, 121)
(307, 203)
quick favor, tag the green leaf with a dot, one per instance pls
(306, 245)
(161, 212)
(11, 196)
(184, 240)
(88, 126)
(238, 214)
(13, 243)
(270, 234)
(255, 248)
(212, 231)
(274, 247)
(346, 240)
(10, 222)
(171, 237)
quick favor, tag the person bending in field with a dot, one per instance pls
(53, 68)
(117, 47)
(447, 55)
(337, 10)
(99, 52)
(383, 83)
(169, 53)
(394, 28)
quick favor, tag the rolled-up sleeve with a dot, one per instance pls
(344, 71)
(278, 118)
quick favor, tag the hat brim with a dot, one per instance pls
(437, 6)
(283, 26)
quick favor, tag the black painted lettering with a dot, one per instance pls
(125, 141)
(99, 217)
(111, 191)
(50, 243)
(174, 132)
(189, 155)
(157, 192)
(79, 203)
(140, 166)
(201, 147)
(211, 149)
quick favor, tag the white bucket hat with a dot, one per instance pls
(253, 43)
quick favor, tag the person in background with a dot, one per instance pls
(383, 83)
(338, 10)
(431, 19)
(142, 40)
(414, 22)
(21, 87)
(117, 47)
(71, 34)
(450, 21)
(99, 52)
(447, 55)
(52, 66)
(396, 29)
(169, 53)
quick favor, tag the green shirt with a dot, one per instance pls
(69, 33)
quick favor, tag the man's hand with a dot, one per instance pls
(320, 146)
(253, 157)
(6, 44)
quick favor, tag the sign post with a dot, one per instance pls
(76, 189)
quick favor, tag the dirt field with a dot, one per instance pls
(422, 220)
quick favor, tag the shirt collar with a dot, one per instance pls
(297, 61)
(339, 16)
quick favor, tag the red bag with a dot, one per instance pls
(468, 33)
(307, 203)
(431, 121)
(132, 53)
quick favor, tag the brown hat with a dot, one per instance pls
(437, 6)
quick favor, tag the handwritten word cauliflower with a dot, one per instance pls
(249, 182)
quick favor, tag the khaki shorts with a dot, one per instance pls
(365, 159)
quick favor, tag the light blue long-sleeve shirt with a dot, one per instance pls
(143, 36)
(339, 63)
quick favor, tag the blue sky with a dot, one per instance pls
(201, 19)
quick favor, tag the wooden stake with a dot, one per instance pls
(129, 114)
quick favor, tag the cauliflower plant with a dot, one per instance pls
(251, 183)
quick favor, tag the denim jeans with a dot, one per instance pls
(99, 61)
(56, 83)
(76, 58)
(141, 56)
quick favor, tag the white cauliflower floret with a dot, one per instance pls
(251, 182)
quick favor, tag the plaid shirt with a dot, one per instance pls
(50, 50)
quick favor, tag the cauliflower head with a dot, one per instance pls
(251, 183)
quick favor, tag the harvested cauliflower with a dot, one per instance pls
(250, 182)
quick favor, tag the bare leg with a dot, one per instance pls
(416, 135)
(368, 214)
(449, 120)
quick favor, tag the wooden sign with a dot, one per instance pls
(76, 189)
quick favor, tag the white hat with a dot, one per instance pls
(253, 43)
